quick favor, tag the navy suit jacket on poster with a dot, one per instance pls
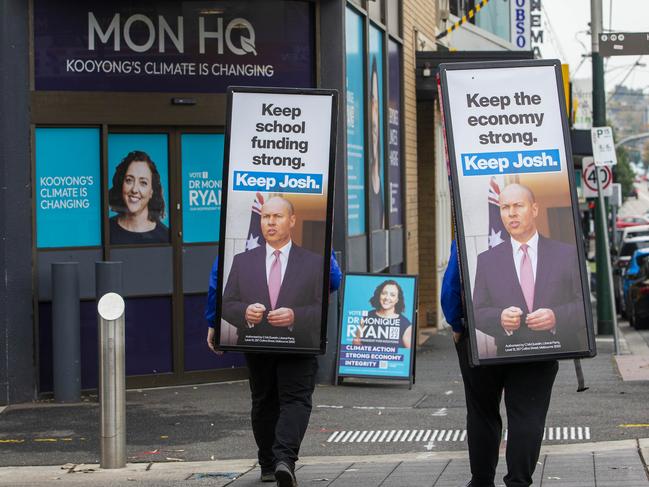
(301, 291)
(557, 286)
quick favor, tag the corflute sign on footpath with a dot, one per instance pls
(516, 211)
(278, 178)
(378, 327)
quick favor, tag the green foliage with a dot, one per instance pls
(623, 172)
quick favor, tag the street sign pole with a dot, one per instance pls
(604, 301)
(609, 269)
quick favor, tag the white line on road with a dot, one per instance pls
(552, 433)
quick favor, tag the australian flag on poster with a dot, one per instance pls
(255, 237)
(497, 230)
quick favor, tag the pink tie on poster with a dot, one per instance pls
(275, 279)
(527, 278)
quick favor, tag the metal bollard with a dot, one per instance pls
(108, 278)
(112, 381)
(66, 331)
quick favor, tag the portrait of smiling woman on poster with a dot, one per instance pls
(137, 198)
(388, 303)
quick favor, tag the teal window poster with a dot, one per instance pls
(375, 133)
(378, 329)
(202, 170)
(68, 191)
(355, 106)
(138, 181)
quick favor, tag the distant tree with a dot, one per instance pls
(623, 172)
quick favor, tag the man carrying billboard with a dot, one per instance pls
(527, 291)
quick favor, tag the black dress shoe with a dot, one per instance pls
(267, 476)
(284, 475)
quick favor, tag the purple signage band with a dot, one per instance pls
(172, 46)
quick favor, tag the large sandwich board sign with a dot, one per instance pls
(278, 183)
(516, 211)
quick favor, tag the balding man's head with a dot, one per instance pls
(277, 221)
(518, 211)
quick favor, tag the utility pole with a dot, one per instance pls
(605, 307)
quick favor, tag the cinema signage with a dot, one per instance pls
(172, 46)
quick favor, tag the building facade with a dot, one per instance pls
(86, 85)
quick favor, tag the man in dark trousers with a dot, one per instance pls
(527, 388)
(527, 289)
(527, 292)
(281, 384)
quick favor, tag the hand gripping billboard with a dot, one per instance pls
(516, 211)
(276, 232)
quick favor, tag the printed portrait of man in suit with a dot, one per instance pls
(527, 292)
(273, 293)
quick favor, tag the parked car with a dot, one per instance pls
(629, 221)
(638, 299)
(634, 231)
(630, 275)
(620, 261)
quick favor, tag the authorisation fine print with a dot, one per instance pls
(276, 229)
(512, 179)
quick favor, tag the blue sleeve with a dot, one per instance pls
(452, 292)
(335, 275)
(210, 306)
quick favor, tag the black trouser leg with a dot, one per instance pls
(295, 384)
(483, 390)
(528, 388)
(265, 404)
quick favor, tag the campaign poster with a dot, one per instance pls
(138, 192)
(378, 332)
(516, 209)
(376, 142)
(68, 187)
(202, 169)
(355, 106)
(276, 226)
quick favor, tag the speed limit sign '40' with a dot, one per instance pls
(589, 181)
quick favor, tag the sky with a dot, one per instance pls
(566, 38)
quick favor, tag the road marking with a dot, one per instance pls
(428, 436)
(634, 425)
(2, 408)
(440, 412)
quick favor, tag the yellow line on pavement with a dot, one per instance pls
(46, 440)
(12, 441)
(635, 425)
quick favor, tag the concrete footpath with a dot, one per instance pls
(615, 463)
(200, 435)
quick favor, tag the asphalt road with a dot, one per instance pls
(212, 421)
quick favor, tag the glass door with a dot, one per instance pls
(164, 210)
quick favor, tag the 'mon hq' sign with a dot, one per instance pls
(172, 46)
